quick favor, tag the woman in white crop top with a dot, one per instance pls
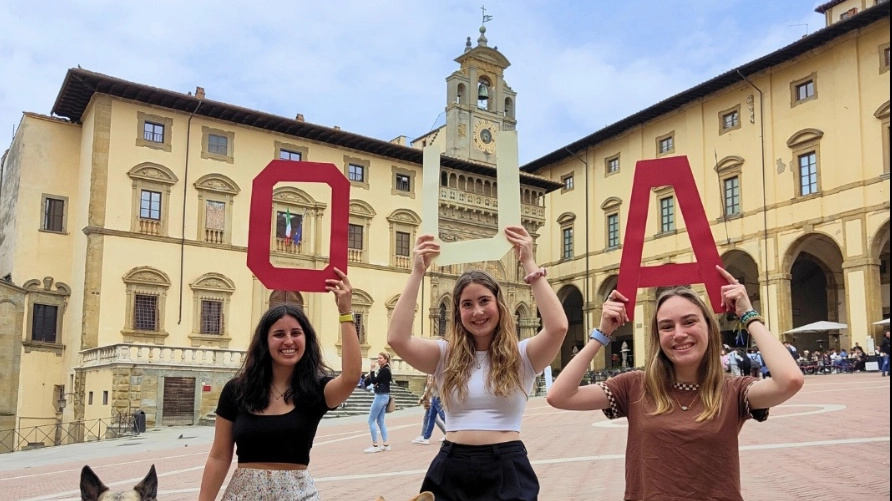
(484, 375)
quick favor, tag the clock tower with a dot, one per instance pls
(479, 103)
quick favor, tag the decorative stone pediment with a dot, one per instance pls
(294, 196)
(213, 282)
(731, 162)
(362, 209)
(804, 136)
(47, 283)
(882, 111)
(156, 173)
(565, 218)
(362, 298)
(611, 202)
(217, 183)
(147, 275)
(404, 216)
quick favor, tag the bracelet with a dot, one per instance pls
(755, 318)
(748, 316)
(541, 272)
(600, 337)
(346, 317)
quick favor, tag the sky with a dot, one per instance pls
(379, 68)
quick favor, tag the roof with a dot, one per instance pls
(817, 39)
(824, 7)
(79, 86)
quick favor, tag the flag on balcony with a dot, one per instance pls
(287, 222)
(298, 233)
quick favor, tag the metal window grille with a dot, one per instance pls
(732, 196)
(290, 155)
(360, 331)
(53, 214)
(667, 214)
(218, 145)
(402, 244)
(43, 323)
(402, 182)
(145, 312)
(153, 132)
(356, 173)
(808, 174)
(215, 215)
(354, 236)
(613, 230)
(211, 317)
(568, 243)
(150, 205)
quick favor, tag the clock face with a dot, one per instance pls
(484, 136)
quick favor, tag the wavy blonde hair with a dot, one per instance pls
(461, 354)
(660, 372)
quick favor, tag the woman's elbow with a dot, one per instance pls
(794, 383)
(554, 399)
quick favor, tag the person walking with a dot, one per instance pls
(433, 412)
(884, 352)
(484, 373)
(381, 381)
(684, 413)
(271, 409)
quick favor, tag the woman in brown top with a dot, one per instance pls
(684, 412)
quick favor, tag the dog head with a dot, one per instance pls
(424, 496)
(92, 489)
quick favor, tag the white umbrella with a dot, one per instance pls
(821, 326)
(885, 321)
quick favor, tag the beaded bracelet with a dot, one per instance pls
(746, 317)
(756, 318)
(541, 272)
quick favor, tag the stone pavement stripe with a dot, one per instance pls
(97, 468)
(885, 387)
(819, 443)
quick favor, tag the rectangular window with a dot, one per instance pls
(402, 182)
(402, 244)
(730, 120)
(612, 165)
(289, 155)
(282, 224)
(150, 205)
(215, 215)
(153, 132)
(356, 173)
(732, 196)
(211, 317)
(90, 398)
(43, 323)
(568, 243)
(145, 312)
(613, 231)
(886, 57)
(53, 213)
(667, 214)
(808, 174)
(354, 236)
(105, 397)
(667, 144)
(218, 145)
(847, 14)
(568, 182)
(357, 321)
(805, 90)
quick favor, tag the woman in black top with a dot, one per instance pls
(271, 409)
(381, 380)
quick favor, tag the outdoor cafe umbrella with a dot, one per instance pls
(884, 321)
(822, 326)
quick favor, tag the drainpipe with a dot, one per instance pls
(183, 222)
(765, 301)
(585, 299)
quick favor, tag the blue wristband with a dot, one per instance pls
(599, 337)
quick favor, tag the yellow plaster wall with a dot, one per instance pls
(97, 382)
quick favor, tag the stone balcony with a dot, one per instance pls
(141, 354)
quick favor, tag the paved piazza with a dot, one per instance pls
(830, 442)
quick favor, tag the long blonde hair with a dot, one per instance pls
(660, 372)
(461, 354)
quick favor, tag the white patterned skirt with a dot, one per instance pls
(248, 484)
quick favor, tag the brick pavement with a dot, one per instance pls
(830, 442)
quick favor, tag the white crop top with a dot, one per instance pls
(481, 410)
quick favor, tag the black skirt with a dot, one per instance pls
(497, 472)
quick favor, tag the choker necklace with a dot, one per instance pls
(686, 386)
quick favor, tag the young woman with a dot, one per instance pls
(485, 376)
(684, 412)
(378, 409)
(271, 409)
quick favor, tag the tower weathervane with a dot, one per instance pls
(485, 16)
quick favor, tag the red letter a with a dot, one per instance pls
(676, 172)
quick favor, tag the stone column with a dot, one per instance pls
(863, 298)
(779, 310)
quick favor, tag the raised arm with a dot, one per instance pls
(786, 377)
(544, 346)
(341, 387)
(422, 354)
(565, 392)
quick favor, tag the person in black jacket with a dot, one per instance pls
(381, 380)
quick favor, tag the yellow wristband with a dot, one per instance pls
(346, 317)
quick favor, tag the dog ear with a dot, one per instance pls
(148, 488)
(424, 496)
(379, 499)
(91, 486)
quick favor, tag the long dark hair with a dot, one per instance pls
(255, 377)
